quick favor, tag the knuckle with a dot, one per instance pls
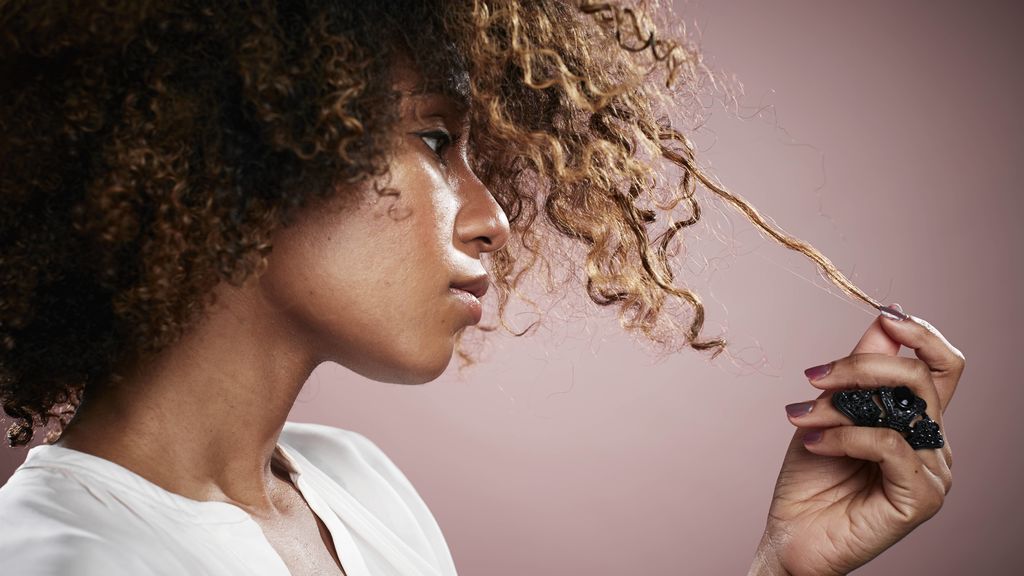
(890, 441)
(920, 371)
(932, 500)
(844, 435)
(924, 507)
(960, 362)
(927, 503)
(847, 364)
(857, 361)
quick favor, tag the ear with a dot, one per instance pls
(876, 340)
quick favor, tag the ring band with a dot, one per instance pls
(896, 408)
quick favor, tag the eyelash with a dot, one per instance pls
(445, 140)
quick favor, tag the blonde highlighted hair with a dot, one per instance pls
(151, 147)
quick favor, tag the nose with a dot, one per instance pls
(481, 222)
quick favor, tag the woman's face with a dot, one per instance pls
(369, 287)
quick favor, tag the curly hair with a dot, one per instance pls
(150, 149)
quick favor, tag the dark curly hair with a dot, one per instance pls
(148, 150)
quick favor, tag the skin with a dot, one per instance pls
(844, 498)
(367, 287)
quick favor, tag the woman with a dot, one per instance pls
(203, 203)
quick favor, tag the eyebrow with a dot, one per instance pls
(424, 93)
(459, 108)
(454, 86)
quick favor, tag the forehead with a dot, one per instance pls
(450, 90)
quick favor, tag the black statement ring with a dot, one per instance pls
(896, 408)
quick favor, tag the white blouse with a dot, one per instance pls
(68, 512)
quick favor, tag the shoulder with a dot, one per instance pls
(322, 444)
(47, 526)
(354, 462)
(66, 552)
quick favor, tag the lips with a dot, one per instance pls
(470, 303)
(468, 292)
(477, 286)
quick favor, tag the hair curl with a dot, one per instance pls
(149, 150)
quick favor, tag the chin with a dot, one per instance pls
(408, 370)
(426, 373)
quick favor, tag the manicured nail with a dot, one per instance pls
(893, 312)
(812, 437)
(818, 371)
(799, 409)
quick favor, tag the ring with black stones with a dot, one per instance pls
(897, 408)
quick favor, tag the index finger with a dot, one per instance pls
(945, 361)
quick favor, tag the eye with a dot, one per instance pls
(437, 140)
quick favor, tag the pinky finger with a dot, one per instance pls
(913, 490)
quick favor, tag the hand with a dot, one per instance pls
(845, 492)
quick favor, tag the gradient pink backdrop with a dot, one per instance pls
(892, 141)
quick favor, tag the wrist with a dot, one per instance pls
(766, 559)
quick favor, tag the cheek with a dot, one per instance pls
(400, 324)
(367, 293)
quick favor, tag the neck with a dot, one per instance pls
(202, 417)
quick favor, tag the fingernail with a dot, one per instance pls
(818, 371)
(799, 409)
(812, 437)
(893, 312)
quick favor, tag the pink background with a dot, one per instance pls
(892, 142)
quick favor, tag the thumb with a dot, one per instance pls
(876, 340)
